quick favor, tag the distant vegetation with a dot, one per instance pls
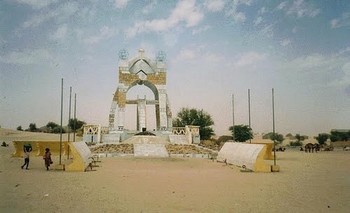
(339, 136)
(322, 138)
(241, 133)
(297, 140)
(274, 137)
(195, 117)
(52, 127)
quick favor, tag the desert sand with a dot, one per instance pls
(307, 182)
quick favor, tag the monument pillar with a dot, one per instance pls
(141, 114)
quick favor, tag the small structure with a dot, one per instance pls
(249, 156)
(269, 148)
(81, 157)
(92, 133)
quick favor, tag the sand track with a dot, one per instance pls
(307, 183)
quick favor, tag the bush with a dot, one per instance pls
(274, 136)
(296, 143)
(57, 129)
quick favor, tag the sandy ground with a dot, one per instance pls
(306, 183)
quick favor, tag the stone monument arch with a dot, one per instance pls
(141, 70)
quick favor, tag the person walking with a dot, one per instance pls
(47, 158)
(27, 148)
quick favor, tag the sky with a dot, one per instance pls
(215, 49)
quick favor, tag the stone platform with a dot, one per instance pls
(150, 150)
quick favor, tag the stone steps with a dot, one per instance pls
(150, 150)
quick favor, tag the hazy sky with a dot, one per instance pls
(213, 48)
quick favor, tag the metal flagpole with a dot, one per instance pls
(69, 117)
(75, 115)
(233, 118)
(250, 140)
(61, 120)
(273, 127)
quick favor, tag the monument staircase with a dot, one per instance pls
(148, 146)
(150, 150)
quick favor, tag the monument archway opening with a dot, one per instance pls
(135, 93)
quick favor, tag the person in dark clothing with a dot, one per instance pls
(47, 158)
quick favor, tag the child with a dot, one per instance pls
(27, 148)
(47, 158)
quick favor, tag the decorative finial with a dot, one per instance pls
(161, 56)
(123, 54)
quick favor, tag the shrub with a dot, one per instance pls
(296, 143)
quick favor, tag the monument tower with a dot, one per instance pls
(141, 70)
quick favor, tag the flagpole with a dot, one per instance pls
(61, 121)
(250, 140)
(75, 116)
(233, 118)
(273, 126)
(69, 117)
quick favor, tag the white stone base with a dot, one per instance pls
(150, 150)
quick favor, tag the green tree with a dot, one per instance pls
(276, 137)
(241, 133)
(19, 128)
(75, 124)
(322, 138)
(51, 125)
(299, 137)
(58, 129)
(32, 127)
(195, 117)
(339, 136)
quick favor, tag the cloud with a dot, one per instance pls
(185, 11)
(200, 30)
(27, 57)
(170, 38)
(344, 81)
(343, 51)
(258, 20)
(2, 41)
(282, 5)
(298, 8)
(37, 4)
(267, 31)
(120, 4)
(186, 55)
(60, 33)
(214, 5)
(262, 10)
(104, 33)
(321, 70)
(285, 42)
(249, 58)
(343, 21)
(148, 8)
(198, 55)
(233, 12)
(59, 13)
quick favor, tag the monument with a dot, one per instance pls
(140, 70)
(151, 73)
